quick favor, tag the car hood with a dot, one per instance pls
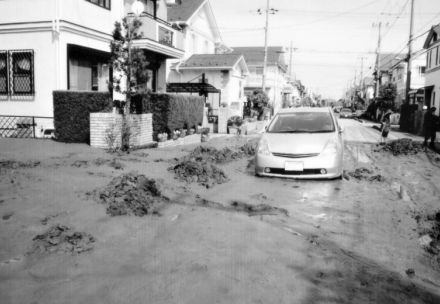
(298, 143)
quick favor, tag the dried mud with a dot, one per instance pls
(132, 194)
(363, 174)
(59, 238)
(403, 146)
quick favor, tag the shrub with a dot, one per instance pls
(235, 121)
(170, 111)
(72, 113)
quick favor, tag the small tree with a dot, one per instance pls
(387, 93)
(129, 62)
(259, 101)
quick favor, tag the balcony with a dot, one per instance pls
(158, 36)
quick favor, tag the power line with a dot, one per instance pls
(397, 18)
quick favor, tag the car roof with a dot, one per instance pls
(304, 109)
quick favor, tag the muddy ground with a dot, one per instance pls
(245, 240)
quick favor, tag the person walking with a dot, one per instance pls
(430, 125)
(386, 126)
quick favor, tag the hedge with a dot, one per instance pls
(170, 111)
(72, 113)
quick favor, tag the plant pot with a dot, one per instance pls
(191, 131)
(175, 137)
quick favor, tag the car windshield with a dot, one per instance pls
(302, 122)
(346, 110)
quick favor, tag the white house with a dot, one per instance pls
(399, 74)
(276, 77)
(48, 45)
(432, 76)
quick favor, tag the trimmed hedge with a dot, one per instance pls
(72, 113)
(170, 111)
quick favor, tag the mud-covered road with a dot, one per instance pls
(233, 239)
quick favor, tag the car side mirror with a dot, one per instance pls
(341, 130)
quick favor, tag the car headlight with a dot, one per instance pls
(330, 149)
(263, 147)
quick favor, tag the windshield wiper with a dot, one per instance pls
(291, 131)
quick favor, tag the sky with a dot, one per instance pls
(330, 36)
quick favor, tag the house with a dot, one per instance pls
(399, 75)
(386, 61)
(432, 75)
(220, 77)
(199, 26)
(49, 45)
(276, 73)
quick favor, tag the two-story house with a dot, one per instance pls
(276, 68)
(399, 75)
(49, 45)
(432, 75)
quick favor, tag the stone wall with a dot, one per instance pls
(106, 128)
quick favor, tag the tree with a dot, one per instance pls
(387, 93)
(129, 64)
(259, 101)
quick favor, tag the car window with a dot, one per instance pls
(302, 122)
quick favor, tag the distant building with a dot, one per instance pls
(276, 77)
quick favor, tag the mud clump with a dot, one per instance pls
(59, 238)
(204, 173)
(210, 154)
(260, 209)
(434, 233)
(132, 194)
(364, 174)
(12, 164)
(403, 146)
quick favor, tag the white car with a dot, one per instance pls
(301, 143)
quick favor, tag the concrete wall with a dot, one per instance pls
(432, 76)
(103, 124)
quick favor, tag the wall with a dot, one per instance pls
(432, 76)
(44, 80)
(101, 124)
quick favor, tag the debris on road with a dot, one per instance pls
(6, 216)
(363, 174)
(403, 146)
(202, 172)
(132, 194)
(80, 163)
(237, 206)
(114, 163)
(410, 272)
(60, 238)
(12, 164)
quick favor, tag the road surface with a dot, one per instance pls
(343, 241)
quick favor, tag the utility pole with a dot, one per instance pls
(266, 29)
(291, 49)
(376, 91)
(409, 64)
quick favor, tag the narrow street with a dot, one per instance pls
(342, 241)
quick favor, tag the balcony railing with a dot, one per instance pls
(160, 31)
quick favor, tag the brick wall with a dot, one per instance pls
(103, 126)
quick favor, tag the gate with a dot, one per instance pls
(26, 126)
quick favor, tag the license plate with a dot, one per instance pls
(294, 166)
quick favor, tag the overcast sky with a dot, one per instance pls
(331, 36)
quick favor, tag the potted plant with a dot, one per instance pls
(191, 131)
(183, 133)
(234, 124)
(176, 134)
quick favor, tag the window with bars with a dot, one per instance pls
(4, 87)
(17, 73)
(102, 3)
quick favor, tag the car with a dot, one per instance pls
(346, 113)
(301, 143)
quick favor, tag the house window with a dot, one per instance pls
(436, 56)
(22, 72)
(3, 73)
(429, 59)
(422, 70)
(102, 3)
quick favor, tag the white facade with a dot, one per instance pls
(70, 44)
(432, 75)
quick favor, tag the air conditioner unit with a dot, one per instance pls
(172, 2)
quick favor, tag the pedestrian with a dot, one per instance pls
(430, 125)
(386, 126)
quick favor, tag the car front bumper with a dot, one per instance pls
(266, 165)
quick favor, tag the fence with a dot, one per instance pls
(26, 126)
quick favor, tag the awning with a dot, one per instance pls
(191, 87)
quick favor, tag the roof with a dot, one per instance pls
(183, 10)
(434, 34)
(387, 60)
(255, 55)
(213, 61)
